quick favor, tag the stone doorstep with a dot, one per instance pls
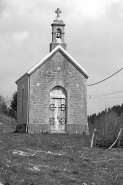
(58, 131)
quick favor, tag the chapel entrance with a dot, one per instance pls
(58, 109)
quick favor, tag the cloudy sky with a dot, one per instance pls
(94, 37)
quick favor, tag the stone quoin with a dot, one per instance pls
(52, 96)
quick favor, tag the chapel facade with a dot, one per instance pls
(52, 96)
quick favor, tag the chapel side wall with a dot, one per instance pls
(58, 71)
(77, 118)
(22, 110)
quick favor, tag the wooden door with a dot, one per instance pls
(57, 112)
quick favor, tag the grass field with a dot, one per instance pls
(52, 159)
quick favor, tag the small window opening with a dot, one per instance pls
(58, 34)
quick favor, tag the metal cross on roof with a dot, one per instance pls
(58, 11)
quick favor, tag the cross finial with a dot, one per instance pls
(58, 11)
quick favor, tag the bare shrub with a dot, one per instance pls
(4, 107)
(107, 126)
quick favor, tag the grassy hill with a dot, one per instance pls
(52, 159)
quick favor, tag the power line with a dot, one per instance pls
(107, 97)
(106, 94)
(105, 78)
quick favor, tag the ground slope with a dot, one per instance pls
(52, 159)
(7, 123)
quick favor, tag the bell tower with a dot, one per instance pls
(57, 32)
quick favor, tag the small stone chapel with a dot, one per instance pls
(52, 96)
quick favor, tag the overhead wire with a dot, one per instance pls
(106, 97)
(105, 78)
(105, 94)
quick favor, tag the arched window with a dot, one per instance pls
(58, 92)
(58, 34)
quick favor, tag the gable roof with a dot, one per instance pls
(50, 55)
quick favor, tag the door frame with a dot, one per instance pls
(61, 96)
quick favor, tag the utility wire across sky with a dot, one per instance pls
(105, 78)
(106, 94)
(105, 97)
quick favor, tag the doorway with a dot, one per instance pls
(58, 109)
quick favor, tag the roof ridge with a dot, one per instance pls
(49, 55)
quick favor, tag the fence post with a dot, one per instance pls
(92, 140)
(116, 139)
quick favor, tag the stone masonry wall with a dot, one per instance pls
(22, 114)
(58, 71)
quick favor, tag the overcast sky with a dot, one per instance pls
(93, 33)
